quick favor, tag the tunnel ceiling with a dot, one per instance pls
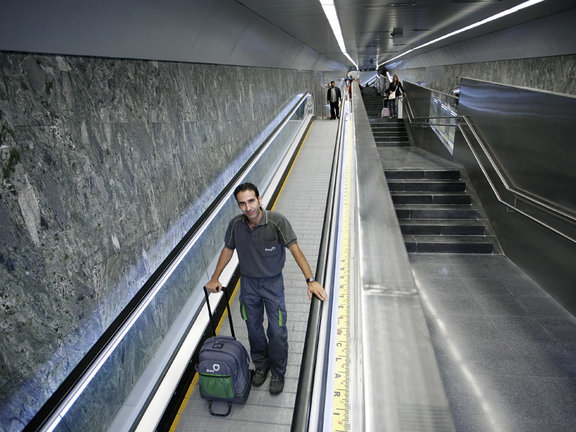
(272, 33)
(377, 30)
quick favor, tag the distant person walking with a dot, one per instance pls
(334, 98)
(395, 90)
(261, 237)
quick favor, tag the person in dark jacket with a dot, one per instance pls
(395, 89)
(260, 237)
(334, 99)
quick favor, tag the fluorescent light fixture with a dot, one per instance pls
(471, 26)
(330, 12)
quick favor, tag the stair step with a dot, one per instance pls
(449, 244)
(387, 126)
(390, 136)
(393, 144)
(389, 133)
(428, 198)
(442, 227)
(432, 186)
(436, 213)
(395, 131)
(422, 174)
(392, 140)
(388, 123)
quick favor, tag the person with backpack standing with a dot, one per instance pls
(261, 237)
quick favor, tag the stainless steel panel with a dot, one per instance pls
(403, 388)
(530, 133)
(419, 98)
(425, 138)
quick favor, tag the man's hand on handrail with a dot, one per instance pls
(214, 286)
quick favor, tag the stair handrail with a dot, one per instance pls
(507, 184)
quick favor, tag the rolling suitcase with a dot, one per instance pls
(223, 367)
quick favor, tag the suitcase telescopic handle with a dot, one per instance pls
(225, 291)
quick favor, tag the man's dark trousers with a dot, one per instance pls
(255, 295)
(334, 110)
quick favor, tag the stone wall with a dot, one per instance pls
(105, 165)
(543, 73)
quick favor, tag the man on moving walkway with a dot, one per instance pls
(334, 98)
(260, 238)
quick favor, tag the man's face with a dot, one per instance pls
(249, 203)
(332, 84)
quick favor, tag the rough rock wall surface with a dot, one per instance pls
(544, 73)
(106, 163)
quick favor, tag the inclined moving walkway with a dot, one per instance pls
(355, 359)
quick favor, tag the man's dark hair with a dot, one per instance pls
(245, 187)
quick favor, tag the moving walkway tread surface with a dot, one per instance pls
(302, 201)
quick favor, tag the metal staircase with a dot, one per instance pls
(435, 207)
(390, 133)
(437, 214)
(387, 132)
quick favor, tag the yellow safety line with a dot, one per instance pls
(184, 403)
(195, 379)
(340, 402)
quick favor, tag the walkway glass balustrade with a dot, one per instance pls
(117, 386)
(432, 108)
(443, 112)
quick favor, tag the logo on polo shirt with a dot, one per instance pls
(272, 249)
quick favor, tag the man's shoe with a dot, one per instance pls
(259, 376)
(276, 384)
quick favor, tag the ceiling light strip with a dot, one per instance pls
(471, 26)
(330, 12)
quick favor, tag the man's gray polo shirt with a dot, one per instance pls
(261, 250)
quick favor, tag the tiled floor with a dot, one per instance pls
(506, 349)
(411, 158)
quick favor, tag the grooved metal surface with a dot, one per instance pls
(302, 201)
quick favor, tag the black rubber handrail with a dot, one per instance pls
(46, 412)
